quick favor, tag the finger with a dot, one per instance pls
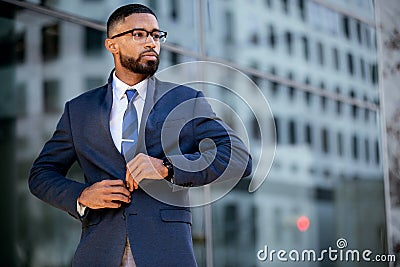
(119, 190)
(135, 185)
(115, 182)
(117, 198)
(137, 175)
(112, 205)
(129, 182)
(136, 162)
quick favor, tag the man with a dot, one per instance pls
(115, 133)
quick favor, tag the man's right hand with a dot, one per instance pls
(105, 194)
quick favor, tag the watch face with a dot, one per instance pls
(167, 164)
(170, 168)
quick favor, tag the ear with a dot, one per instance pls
(111, 46)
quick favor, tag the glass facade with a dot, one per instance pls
(316, 62)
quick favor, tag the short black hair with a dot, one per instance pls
(124, 11)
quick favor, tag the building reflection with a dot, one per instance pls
(316, 64)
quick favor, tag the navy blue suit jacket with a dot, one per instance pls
(159, 233)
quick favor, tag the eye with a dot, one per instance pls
(138, 34)
(156, 35)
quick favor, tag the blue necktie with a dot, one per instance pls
(130, 127)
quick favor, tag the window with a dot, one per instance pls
(366, 115)
(325, 140)
(272, 36)
(291, 89)
(340, 149)
(323, 98)
(359, 36)
(292, 132)
(346, 27)
(320, 53)
(354, 108)
(302, 9)
(377, 155)
(255, 78)
(350, 65)
(253, 224)
(374, 73)
(306, 48)
(51, 94)
(362, 68)
(174, 58)
(367, 37)
(93, 41)
(307, 95)
(285, 6)
(274, 85)
(230, 222)
(254, 38)
(336, 61)
(308, 134)
(278, 222)
(278, 131)
(354, 145)
(20, 47)
(338, 103)
(289, 42)
(366, 144)
(366, 111)
(229, 27)
(174, 10)
(50, 42)
(256, 129)
(22, 102)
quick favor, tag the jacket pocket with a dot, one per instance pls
(92, 217)
(176, 215)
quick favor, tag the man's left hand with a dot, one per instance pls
(144, 167)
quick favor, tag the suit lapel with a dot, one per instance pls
(104, 117)
(148, 106)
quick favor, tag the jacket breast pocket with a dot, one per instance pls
(176, 215)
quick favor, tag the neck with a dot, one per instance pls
(128, 77)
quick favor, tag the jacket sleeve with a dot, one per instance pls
(47, 179)
(221, 153)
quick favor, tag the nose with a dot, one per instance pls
(149, 43)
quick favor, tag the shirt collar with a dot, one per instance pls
(120, 87)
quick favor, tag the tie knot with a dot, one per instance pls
(130, 93)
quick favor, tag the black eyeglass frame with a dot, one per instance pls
(163, 34)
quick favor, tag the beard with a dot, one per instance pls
(135, 65)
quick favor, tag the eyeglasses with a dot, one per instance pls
(140, 35)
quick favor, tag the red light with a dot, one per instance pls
(303, 223)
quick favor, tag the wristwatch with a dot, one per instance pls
(167, 164)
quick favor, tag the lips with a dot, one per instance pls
(150, 55)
